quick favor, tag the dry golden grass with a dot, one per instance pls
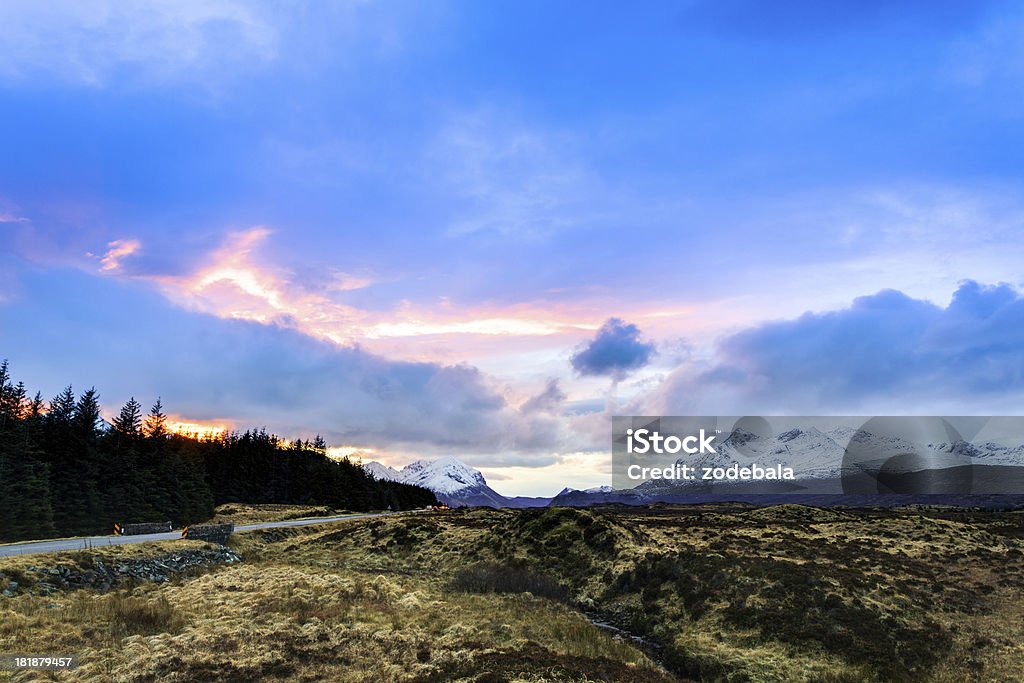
(864, 595)
(780, 594)
(301, 615)
(242, 513)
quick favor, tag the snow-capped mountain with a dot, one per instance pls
(445, 475)
(452, 481)
(594, 489)
(811, 453)
(382, 472)
(817, 456)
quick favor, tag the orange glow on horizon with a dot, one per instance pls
(197, 428)
(351, 452)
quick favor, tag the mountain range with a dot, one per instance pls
(816, 456)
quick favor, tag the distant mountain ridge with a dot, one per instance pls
(817, 458)
(815, 455)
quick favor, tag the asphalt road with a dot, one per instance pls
(57, 545)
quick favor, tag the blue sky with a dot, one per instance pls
(409, 226)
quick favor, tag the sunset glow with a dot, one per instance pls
(236, 284)
(351, 452)
(194, 428)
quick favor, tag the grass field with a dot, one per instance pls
(726, 592)
(241, 513)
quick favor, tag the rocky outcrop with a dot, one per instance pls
(106, 574)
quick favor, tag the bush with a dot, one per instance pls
(498, 578)
(134, 616)
(125, 615)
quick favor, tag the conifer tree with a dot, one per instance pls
(9, 405)
(77, 502)
(26, 510)
(61, 473)
(62, 407)
(128, 423)
(36, 407)
(87, 419)
(156, 421)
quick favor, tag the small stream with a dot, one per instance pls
(652, 648)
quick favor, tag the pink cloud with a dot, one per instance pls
(236, 280)
(118, 249)
(233, 281)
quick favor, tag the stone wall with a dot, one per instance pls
(213, 533)
(103, 575)
(144, 528)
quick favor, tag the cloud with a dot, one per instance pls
(346, 282)
(514, 180)
(234, 281)
(231, 281)
(548, 400)
(615, 351)
(117, 250)
(237, 372)
(993, 52)
(886, 349)
(94, 42)
(355, 397)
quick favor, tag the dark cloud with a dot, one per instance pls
(615, 351)
(885, 347)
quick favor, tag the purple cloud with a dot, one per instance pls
(615, 351)
(884, 347)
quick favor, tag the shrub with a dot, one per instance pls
(498, 578)
(125, 615)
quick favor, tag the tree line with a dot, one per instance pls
(65, 471)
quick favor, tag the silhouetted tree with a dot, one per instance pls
(87, 419)
(156, 422)
(129, 420)
(26, 509)
(64, 472)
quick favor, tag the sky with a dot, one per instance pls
(482, 229)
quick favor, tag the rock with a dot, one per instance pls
(103, 577)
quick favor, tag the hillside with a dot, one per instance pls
(726, 591)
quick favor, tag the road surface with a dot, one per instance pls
(57, 545)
